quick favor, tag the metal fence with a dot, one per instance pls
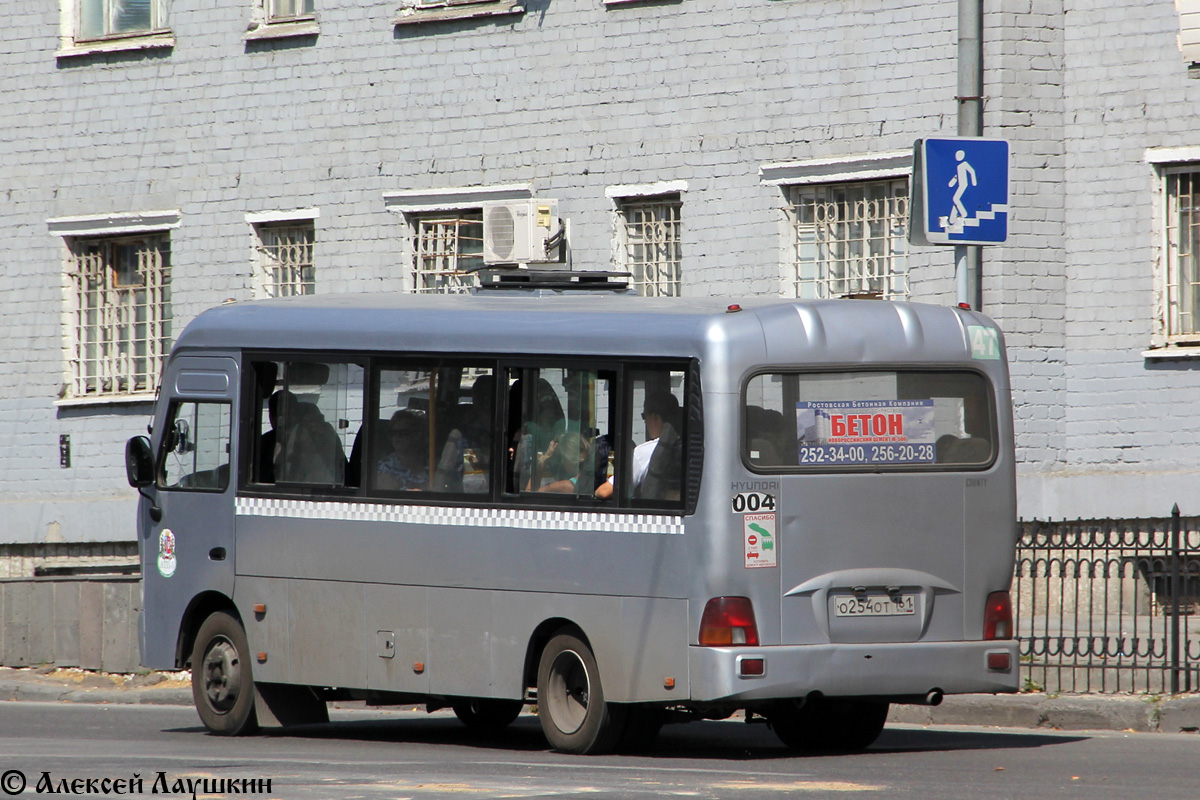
(1109, 606)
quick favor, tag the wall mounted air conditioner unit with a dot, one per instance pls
(516, 231)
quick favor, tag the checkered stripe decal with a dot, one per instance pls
(448, 515)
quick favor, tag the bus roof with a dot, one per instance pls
(763, 329)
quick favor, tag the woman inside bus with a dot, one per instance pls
(406, 468)
(567, 461)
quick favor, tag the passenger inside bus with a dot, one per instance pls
(568, 462)
(269, 440)
(537, 423)
(658, 461)
(308, 450)
(406, 467)
(466, 452)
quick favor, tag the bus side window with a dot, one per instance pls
(655, 396)
(308, 416)
(434, 431)
(196, 447)
(559, 431)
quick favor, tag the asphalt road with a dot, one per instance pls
(366, 754)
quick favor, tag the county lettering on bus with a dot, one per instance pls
(867, 432)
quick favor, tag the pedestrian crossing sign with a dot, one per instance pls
(960, 191)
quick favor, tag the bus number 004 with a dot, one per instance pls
(750, 502)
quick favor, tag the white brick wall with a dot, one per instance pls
(571, 98)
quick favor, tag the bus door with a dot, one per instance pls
(189, 549)
(871, 477)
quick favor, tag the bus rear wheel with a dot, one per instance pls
(829, 724)
(571, 707)
(222, 682)
(486, 714)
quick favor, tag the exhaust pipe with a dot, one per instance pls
(934, 698)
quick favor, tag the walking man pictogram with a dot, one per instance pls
(959, 183)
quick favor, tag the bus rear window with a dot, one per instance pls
(908, 419)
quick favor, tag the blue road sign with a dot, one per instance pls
(962, 192)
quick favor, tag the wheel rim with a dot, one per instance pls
(222, 675)
(569, 689)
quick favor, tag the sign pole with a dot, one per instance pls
(968, 267)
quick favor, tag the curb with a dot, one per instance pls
(1140, 713)
(41, 693)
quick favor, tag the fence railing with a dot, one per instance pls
(1109, 606)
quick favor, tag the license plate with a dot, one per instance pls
(874, 605)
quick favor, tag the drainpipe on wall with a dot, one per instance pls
(968, 272)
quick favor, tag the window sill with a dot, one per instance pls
(106, 400)
(151, 41)
(417, 15)
(282, 30)
(1170, 352)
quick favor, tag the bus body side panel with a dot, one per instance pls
(269, 630)
(359, 604)
(191, 549)
(397, 638)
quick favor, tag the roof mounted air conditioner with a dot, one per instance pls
(520, 231)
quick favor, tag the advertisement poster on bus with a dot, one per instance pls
(863, 432)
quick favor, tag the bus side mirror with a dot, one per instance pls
(139, 462)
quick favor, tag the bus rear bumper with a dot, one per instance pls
(907, 669)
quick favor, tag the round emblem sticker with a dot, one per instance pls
(166, 553)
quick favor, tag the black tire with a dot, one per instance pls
(486, 714)
(571, 707)
(222, 680)
(829, 724)
(642, 726)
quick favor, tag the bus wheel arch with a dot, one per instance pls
(222, 677)
(541, 636)
(200, 609)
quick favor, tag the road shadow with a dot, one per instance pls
(717, 741)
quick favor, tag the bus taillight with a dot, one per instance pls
(998, 617)
(728, 621)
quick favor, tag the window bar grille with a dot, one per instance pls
(851, 240)
(652, 245)
(1183, 243)
(120, 330)
(448, 252)
(287, 260)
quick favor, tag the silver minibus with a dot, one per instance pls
(624, 511)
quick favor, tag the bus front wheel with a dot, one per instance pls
(222, 683)
(571, 707)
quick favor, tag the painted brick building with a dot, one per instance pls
(158, 157)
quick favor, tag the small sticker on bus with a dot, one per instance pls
(759, 534)
(166, 553)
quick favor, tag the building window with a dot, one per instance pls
(119, 314)
(285, 259)
(1182, 226)
(851, 239)
(285, 10)
(649, 232)
(448, 251)
(104, 18)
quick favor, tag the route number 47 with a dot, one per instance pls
(985, 342)
(753, 502)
